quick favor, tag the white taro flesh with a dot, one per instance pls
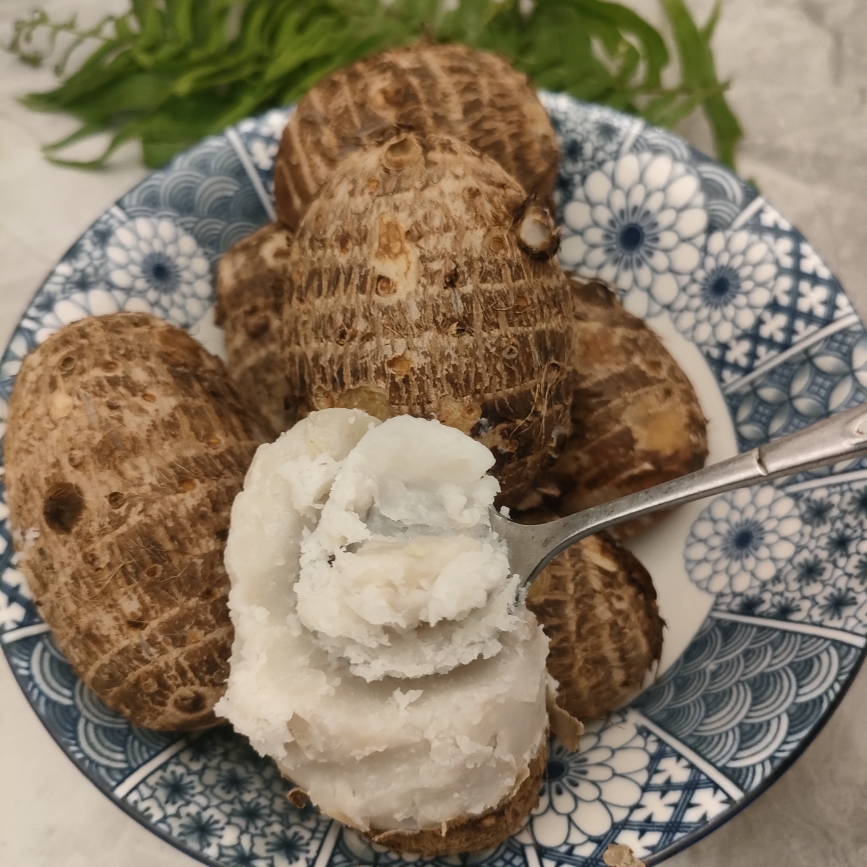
(379, 655)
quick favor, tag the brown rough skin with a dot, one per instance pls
(636, 420)
(617, 855)
(449, 89)
(472, 833)
(125, 448)
(250, 282)
(597, 605)
(421, 282)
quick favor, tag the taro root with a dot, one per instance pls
(618, 855)
(450, 89)
(597, 605)
(421, 282)
(249, 288)
(636, 420)
(380, 656)
(125, 448)
(465, 833)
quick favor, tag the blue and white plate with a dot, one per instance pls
(764, 591)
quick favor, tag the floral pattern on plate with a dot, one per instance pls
(726, 195)
(637, 223)
(585, 793)
(825, 582)
(728, 290)
(223, 802)
(162, 267)
(806, 300)
(587, 139)
(741, 538)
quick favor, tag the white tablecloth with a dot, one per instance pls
(800, 88)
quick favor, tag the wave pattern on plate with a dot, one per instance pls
(205, 192)
(746, 728)
(726, 195)
(99, 740)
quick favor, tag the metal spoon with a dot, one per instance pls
(840, 437)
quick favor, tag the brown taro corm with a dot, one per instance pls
(421, 281)
(125, 447)
(447, 89)
(250, 283)
(618, 855)
(597, 605)
(636, 419)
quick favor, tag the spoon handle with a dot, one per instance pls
(840, 437)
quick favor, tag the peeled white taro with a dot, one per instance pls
(378, 657)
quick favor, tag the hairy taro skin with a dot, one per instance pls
(454, 90)
(125, 447)
(597, 605)
(249, 287)
(636, 419)
(411, 290)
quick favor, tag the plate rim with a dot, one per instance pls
(127, 807)
(749, 797)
